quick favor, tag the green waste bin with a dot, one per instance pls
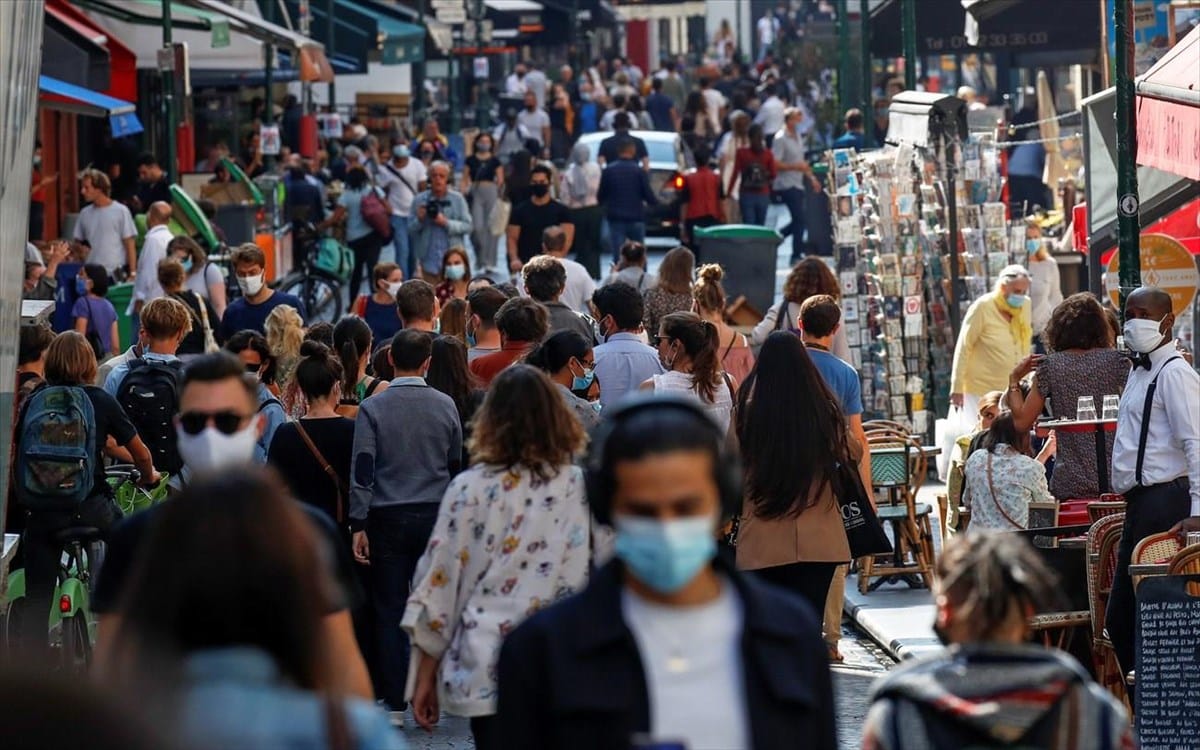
(120, 295)
(749, 254)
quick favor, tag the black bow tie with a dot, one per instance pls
(1141, 360)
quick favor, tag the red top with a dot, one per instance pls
(487, 367)
(745, 157)
(702, 194)
(39, 195)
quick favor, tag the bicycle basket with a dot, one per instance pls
(134, 499)
(334, 258)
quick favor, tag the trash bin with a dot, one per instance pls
(120, 295)
(749, 255)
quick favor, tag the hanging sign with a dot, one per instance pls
(1166, 264)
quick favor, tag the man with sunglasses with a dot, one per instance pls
(217, 427)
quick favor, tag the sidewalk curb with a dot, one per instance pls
(904, 632)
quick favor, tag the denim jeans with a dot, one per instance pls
(397, 536)
(754, 208)
(620, 231)
(793, 198)
(401, 246)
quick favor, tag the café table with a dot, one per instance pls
(1097, 427)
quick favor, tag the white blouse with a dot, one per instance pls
(683, 383)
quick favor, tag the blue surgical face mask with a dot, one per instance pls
(187, 264)
(1032, 246)
(455, 271)
(597, 406)
(1016, 300)
(583, 382)
(80, 286)
(665, 555)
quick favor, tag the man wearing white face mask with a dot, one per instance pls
(1156, 452)
(668, 643)
(217, 427)
(250, 311)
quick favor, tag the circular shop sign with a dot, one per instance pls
(1166, 264)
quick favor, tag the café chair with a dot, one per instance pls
(1103, 539)
(1102, 508)
(1187, 562)
(1156, 548)
(897, 474)
(1057, 627)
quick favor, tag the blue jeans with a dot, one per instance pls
(401, 246)
(397, 536)
(754, 208)
(620, 231)
(793, 198)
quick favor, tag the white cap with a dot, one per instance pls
(33, 256)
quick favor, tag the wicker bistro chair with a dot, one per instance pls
(1187, 562)
(898, 468)
(1102, 508)
(1057, 628)
(1156, 548)
(1103, 539)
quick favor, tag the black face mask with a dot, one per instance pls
(539, 191)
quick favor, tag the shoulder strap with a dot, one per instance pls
(203, 311)
(267, 403)
(996, 500)
(325, 466)
(732, 340)
(1146, 408)
(400, 177)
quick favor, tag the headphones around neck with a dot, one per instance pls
(599, 478)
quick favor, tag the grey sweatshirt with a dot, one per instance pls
(407, 447)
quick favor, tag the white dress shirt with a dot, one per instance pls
(770, 115)
(154, 251)
(1173, 442)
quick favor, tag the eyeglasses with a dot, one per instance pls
(227, 422)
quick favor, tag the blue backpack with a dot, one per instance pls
(56, 463)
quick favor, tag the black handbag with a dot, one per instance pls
(864, 532)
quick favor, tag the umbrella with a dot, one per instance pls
(1056, 167)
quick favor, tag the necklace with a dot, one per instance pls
(676, 661)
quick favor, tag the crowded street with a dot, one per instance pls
(613, 374)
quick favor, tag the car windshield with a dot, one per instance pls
(661, 150)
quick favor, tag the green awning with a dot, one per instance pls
(400, 41)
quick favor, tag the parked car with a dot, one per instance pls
(666, 179)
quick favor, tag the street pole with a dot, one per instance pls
(418, 70)
(1128, 227)
(268, 84)
(908, 32)
(865, 42)
(843, 32)
(481, 84)
(306, 29)
(168, 84)
(329, 48)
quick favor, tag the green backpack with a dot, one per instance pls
(334, 258)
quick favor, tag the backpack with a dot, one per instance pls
(334, 258)
(56, 463)
(149, 394)
(755, 177)
(376, 214)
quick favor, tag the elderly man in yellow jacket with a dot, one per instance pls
(996, 334)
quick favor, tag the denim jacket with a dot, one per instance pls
(236, 698)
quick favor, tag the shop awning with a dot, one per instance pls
(1168, 110)
(918, 118)
(72, 52)
(364, 27)
(122, 115)
(122, 62)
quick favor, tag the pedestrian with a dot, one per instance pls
(579, 285)
(661, 108)
(709, 302)
(545, 278)
(610, 148)
(40, 281)
(1026, 165)
(964, 447)
(534, 216)
(562, 124)
(450, 374)
(1082, 363)
(1045, 287)
(753, 171)
(482, 182)
(631, 268)
(95, 317)
(1156, 452)
(407, 448)
(417, 306)
(402, 180)
(790, 181)
(771, 113)
(625, 192)
(568, 359)
(535, 121)
(996, 335)
(442, 221)
(515, 82)
(255, 354)
(154, 250)
(250, 311)
(695, 645)
(511, 136)
(285, 332)
(1003, 505)
(481, 334)
(809, 277)
(673, 292)
(768, 29)
(455, 276)
(203, 278)
(37, 195)
(363, 240)
(239, 632)
(687, 349)
(202, 336)
(352, 341)
(623, 361)
(1006, 690)
(735, 139)
(105, 226)
(714, 109)
(34, 339)
(378, 308)
(70, 371)
(579, 185)
(700, 200)
(512, 537)
(522, 323)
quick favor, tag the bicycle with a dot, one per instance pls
(323, 271)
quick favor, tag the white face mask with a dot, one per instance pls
(393, 288)
(1143, 335)
(250, 285)
(213, 450)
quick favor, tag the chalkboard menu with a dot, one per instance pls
(1168, 664)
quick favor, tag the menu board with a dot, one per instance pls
(1168, 663)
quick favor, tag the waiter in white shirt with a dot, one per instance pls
(1156, 451)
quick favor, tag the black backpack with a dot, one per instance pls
(149, 394)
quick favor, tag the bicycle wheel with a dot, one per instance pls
(76, 644)
(10, 650)
(322, 296)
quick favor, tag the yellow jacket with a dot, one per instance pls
(988, 348)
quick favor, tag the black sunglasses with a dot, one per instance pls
(227, 422)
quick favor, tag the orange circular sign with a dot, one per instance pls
(1166, 264)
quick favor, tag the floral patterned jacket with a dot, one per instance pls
(505, 545)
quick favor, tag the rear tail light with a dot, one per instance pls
(64, 604)
(679, 182)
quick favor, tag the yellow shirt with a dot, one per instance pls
(987, 349)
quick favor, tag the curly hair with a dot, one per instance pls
(525, 422)
(808, 277)
(1079, 322)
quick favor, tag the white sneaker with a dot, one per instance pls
(397, 719)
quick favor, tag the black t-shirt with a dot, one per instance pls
(482, 170)
(306, 479)
(533, 220)
(124, 540)
(610, 147)
(153, 192)
(193, 342)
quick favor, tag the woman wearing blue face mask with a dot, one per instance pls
(1045, 286)
(456, 276)
(995, 336)
(567, 358)
(95, 317)
(668, 643)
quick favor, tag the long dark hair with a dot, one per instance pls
(351, 340)
(1004, 432)
(448, 372)
(757, 143)
(791, 428)
(700, 340)
(267, 591)
(317, 371)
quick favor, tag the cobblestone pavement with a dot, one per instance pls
(851, 683)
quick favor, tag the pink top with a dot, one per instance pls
(738, 361)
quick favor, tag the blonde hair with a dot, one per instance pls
(166, 317)
(284, 329)
(707, 291)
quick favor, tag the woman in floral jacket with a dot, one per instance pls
(512, 537)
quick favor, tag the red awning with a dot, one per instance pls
(122, 60)
(1168, 111)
